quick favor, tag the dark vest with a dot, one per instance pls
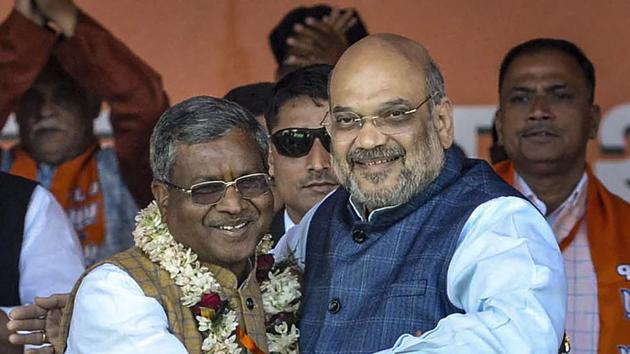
(277, 226)
(15, 196)
(367, 283)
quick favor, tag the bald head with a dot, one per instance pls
(383, 61)
(382, 49)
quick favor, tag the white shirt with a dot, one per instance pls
(125, 321)
(288, 223)
(507, 274)
(51, 259)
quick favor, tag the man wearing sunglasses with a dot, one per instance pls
(300, 152)
(418, 238)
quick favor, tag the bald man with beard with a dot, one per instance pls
(418, 239)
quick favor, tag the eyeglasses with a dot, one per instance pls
(343, 126)
(297, 142)
(211, 192)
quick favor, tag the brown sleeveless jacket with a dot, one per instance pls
(156, 283)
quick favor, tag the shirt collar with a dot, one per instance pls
(288, 223)
(359, 210)
(571, 202)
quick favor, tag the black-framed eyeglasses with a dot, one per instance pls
(297, 142)
(211, 192)
(345, 125)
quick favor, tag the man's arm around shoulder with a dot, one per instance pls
(111, 314)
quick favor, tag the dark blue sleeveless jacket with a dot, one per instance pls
(367, 283)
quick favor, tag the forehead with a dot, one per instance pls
(545, 67)
(57, 89)
(365, 82)
(301, 112)
(226, 158)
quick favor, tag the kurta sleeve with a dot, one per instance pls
(112, 315)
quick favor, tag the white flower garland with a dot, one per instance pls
(281, 293)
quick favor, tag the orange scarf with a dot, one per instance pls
(608, 233)
(76, 187)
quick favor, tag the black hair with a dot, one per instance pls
(53, 73)
(254, 97)
(284, 29)
(545, 44)
(310, 81)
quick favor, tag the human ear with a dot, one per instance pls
(498, 125)
(443, 122)
(160, 194)
(596, 116)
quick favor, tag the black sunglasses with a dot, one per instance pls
(297, 142)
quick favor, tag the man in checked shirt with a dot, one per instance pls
(546, 117)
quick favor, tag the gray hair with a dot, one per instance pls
(434, 82)
(199, 120)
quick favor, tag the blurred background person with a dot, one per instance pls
(55, 81)
(255, 98)
(314, 35)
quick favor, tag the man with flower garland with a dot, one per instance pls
(190, 284)
(418, 238)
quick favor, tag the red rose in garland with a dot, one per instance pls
(211, 301)
(264, 263)
(209, 306)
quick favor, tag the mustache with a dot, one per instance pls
(247, 215)
(319, 177)
(378, 153)
(540, 127)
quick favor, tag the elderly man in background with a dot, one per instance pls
(55, 81)
(546, 117)
(418, 238)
